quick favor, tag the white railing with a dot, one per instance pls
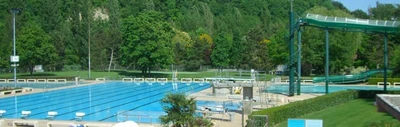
(51, 80)
(138, 80)
(62, 80)
(21, 80)
(127, 79)
(31, 80)
(10, 80)
(162, 81)
(382, 83)
(3, 80)
(150, 81)
(200, 81)
(41, 80)
(186, 80)
(307, 81)
(396, 83)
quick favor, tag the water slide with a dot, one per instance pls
(354, 78)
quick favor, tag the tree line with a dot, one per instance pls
(192, 35)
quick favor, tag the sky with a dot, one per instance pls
(364, 4)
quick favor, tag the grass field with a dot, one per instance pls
(133, 74)
(357, 113)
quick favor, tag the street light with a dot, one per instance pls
(14, 58)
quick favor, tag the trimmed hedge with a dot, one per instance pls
(296, 109)
(373, 81)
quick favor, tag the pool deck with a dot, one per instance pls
(219, 120)
(259, 104)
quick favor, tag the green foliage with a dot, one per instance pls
(356, 113)
(299, 108)
(34, 48)
(75, 67)
(181, 111)
(244, 24)
(385, 124)
(220, 53)
(147, 41)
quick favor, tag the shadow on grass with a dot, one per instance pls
(140, 75)
(39, 74)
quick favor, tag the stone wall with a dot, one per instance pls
(384, 104)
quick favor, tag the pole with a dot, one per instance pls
(14, 11)
(89, 48)
(385, 64)
(291, 52)
(326, 61)
(299, 62)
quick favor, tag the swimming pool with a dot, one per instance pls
(283, 88)
(99, 102)
(40, 85)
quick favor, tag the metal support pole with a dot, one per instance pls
(291, 55)
(14, 11)
(89, 50)
(299, 61)
(385, 66)
(326, 61)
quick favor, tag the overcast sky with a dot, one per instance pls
(364, 4)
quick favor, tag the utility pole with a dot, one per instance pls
(291, 51)
(89, 17)
(14, 58)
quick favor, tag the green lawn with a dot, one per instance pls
(133, 74)
(357, 113)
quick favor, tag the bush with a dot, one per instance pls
(371, 94)
(74, 67)
(300, 108)
(297, 109)
(373, 81)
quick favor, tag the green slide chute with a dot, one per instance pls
(354, 78)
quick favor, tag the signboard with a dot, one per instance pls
(304, 123)
(14, 59)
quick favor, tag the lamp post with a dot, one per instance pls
(14, 58)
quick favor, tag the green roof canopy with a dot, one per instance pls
(351, 24)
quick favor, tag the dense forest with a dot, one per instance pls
(191, 35)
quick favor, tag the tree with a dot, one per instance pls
(220, 54)
(181, 111)
(34, 48)
(147, 41)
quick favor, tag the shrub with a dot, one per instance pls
(297, 109)
(300, 108)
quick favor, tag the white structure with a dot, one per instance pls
(25, 114)
(79, 115)
(51, 115)
(38, 68)
(2, 112)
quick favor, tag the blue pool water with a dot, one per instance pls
(100, 102)
(321, 88)
(39, 85)
(229, 105)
